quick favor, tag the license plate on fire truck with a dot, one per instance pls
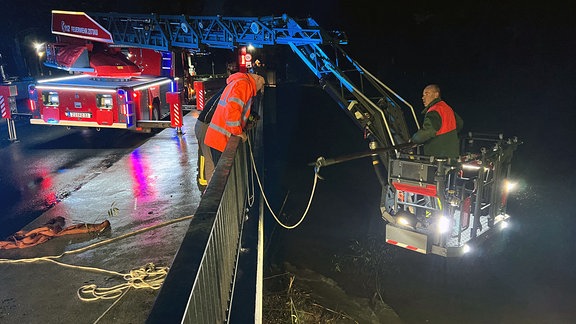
(78, 114)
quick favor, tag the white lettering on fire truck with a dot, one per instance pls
(85, 31)
(78, 30)
(65, 28)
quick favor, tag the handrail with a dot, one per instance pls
(198, 287)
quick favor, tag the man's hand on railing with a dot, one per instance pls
(243, 136)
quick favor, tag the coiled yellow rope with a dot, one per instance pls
(148, 276)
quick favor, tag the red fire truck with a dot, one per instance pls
(133, 71)
(106, 86)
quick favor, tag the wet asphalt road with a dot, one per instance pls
(81, 175)
(47, 163)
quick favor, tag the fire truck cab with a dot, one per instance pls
(106, 86)
(86, 101)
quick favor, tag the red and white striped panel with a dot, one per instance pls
(406, 246)
(4, 109)
(177, 118)
(199, 89)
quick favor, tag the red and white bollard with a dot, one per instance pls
(7, 105)
(176, 115)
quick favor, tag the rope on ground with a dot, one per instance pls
(110, 307)
(266, 199)
(97, 244)
(148, 276)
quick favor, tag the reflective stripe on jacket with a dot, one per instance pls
(232, 111)
(447, 115)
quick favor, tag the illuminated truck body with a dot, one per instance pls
(106, 86)
(87, 101)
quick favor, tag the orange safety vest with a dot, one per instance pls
(232, 111)
(446, 115)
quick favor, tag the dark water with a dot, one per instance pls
(524, 276)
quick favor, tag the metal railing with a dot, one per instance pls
(199, 286)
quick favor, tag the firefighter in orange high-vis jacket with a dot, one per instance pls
(233, 111)
(439, 132)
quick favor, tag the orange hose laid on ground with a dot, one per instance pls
(54, 228)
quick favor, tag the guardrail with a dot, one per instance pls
(199, 285)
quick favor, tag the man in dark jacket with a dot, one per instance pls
(439, 132)
(205, 163)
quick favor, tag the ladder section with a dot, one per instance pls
(134, 30)
(162, 32)
(379, 111)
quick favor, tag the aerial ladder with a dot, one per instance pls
(431, 205)
(374, 107)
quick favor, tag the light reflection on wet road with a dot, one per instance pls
(47, 164)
